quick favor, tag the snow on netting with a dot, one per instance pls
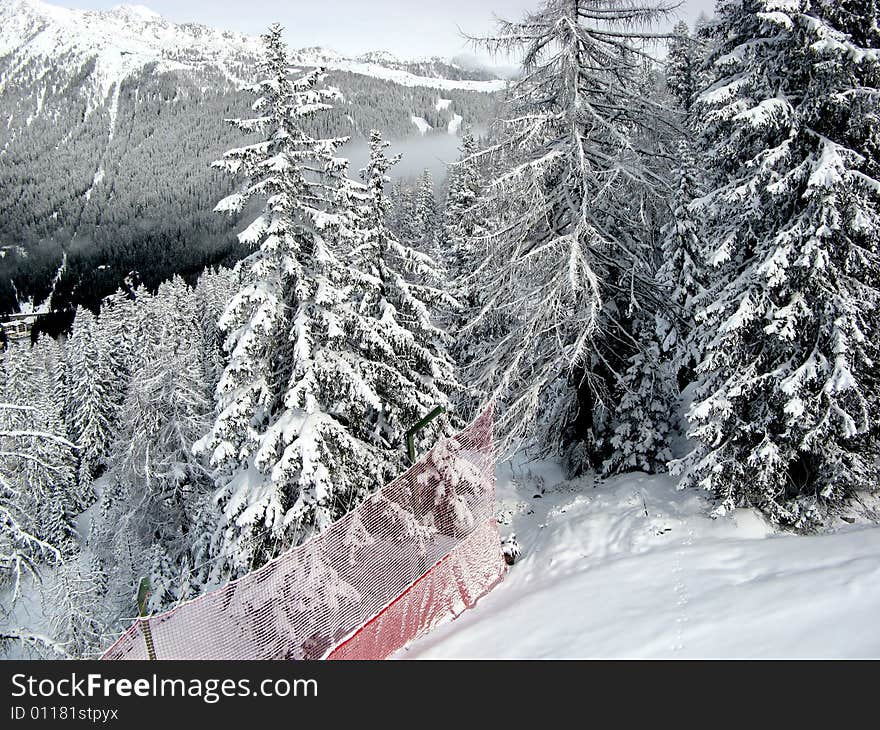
(415, 553)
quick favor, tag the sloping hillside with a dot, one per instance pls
(634, 568)
(109, 122)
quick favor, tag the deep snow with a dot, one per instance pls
(598, 577)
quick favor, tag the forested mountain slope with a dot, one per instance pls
(109, 122)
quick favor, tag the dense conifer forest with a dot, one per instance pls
(664, 263)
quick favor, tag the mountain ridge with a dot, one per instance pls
(109, 122)
(128, 38)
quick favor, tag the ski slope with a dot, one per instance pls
(598, 577)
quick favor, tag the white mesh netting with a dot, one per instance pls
(417, 552)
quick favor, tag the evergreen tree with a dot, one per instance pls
(213, 291)
(52, 355)
(39, 500)
(788, 388)
(682, 67)
(646, 415)
(465, 231)
(403, 214)
(61, 498)
(405, 303)
(48, 470)
(93, 393)
(423, 231)
(645, 389)
(119, 332)
(426, 213)
(856, 18)
(681, 275)
(35, 525)
(464, 187)
(295, 438)
(158, 482)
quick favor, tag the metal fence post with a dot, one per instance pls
(143, 619)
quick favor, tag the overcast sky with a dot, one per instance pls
(407, 28)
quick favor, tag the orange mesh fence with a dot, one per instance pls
(417, 552)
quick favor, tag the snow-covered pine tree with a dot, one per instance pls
(857, 18)
(119, 334)
(92, 393)
(53, 357)
(646, 415)
(861, 20)
(465, 230)
(72, 602)
(213, 291)
(464, 186)
(158, 483)
(426, 219)
(49, 470)
(682, 66)
(294, 439)
(403, 217)
(196, 571)
(557, 266)
(30, 458)
(62, 498)
(645, 392)
(681, 275)
(407, 300)
(39, 500)
(788, 387)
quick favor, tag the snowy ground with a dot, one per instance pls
(599, 577)
(630, 567)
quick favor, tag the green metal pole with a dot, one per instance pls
(411, 434)
(143, 620)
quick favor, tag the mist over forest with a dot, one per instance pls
(120, 187)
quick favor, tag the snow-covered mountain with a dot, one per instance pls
(109, 122)
(120, 41)
(452, 73)
(128, 38)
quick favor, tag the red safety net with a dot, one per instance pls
(417, 552)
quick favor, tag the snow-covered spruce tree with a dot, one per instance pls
(119, 330)
(61, 498)
(294, 439)
(403, 217)
(646, 415)
(425, 216)
(213, 291)
(857, 18)
(464, 186)
(465, 230)
(52, 356)
(861, 20)
(157, 482)
(683, 67)
(93, 393)
(30, 458)
(681, 276)
(788, 387)
(38, 502)
(406, 299)
(558, 267)
(48, 470)
(643, 388)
